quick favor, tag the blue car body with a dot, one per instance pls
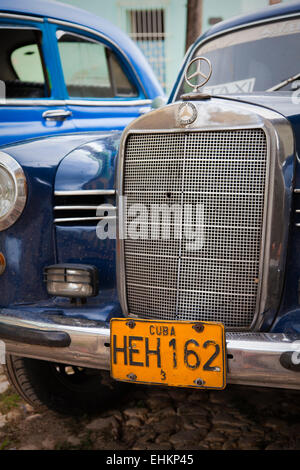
(22, 114)
(64, 172)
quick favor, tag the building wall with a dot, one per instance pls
(217, 9)
(214, 9)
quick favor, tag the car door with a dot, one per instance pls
(30, 104)
(101, 91)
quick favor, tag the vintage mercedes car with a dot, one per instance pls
(65, 70)
(169, 255)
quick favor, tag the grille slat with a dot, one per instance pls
(81, 207)
(213, 277)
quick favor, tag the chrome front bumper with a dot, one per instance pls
(261, 359)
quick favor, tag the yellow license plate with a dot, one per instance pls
(180, 354)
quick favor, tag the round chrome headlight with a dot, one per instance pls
(13, 190)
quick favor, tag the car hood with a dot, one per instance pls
(283, 102)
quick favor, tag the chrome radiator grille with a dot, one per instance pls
(223, 173)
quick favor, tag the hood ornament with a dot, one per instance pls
(198, 78)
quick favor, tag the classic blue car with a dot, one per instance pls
(168, 255)
(65, 70)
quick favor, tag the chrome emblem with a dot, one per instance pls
(201, 77)
(187, 113)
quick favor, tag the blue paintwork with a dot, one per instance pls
(91, 166)
(87, 161)
(40, 244)
(20, 122)
(30, 244)
(23, 122)
(91, 118)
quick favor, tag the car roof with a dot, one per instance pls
(59, 11)
(80, 17)
(63, 12)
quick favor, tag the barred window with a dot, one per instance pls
(147, 24)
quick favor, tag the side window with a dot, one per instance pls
(92, 70)
(21, 63)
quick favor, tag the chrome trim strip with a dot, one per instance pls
(221, 114)
(20, 183)
(115, 103)
(22, 17)
(84, 208)
(86, 192)
(195, 46)
(252, 359)
(19, 26)
(83, 219)
(30, 102)
(48, 103)
(107, 39)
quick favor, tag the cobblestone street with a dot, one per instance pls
(160, 419)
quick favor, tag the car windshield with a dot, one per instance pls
(252, 59)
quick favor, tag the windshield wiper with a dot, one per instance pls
(285, 82)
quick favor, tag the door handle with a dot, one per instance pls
(56, 115)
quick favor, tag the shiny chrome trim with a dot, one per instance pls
(196, 45)
(83, 219)
(255, 359)
(56, 114)
(47, 103)
(89, 342)
(17, 173)
(86, 192)
(198, 73)
(107, 39)
(20, 26)
(21, 17)
(222, 114)
(115, 103)
(84, 208)
(30, 102)
(252, 359)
